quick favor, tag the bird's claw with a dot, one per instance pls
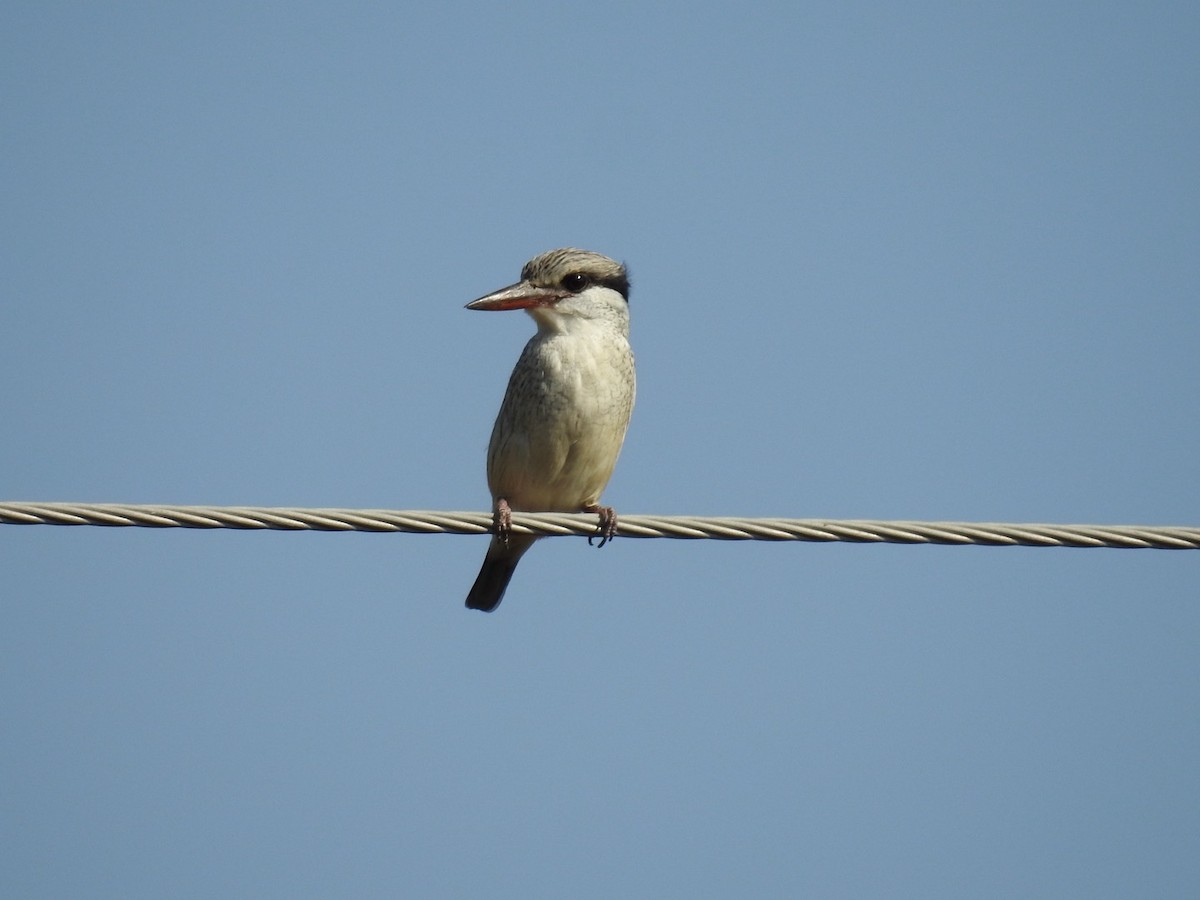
(607, 528)
(502, 521)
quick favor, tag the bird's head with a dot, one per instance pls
(564, 288)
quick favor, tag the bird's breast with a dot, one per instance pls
(562, 422)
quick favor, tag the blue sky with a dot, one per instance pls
(930, 261)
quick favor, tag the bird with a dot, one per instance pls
(566, 410)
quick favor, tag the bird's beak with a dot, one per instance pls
(521, 295)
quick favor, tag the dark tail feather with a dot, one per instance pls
(498, 567)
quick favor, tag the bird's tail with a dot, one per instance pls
(498, 567)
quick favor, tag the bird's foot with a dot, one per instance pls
(502, 520)
(608, 524)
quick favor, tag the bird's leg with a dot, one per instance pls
(502, 520)
(608, 524)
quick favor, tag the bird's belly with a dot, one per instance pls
(557, 466)
(556, 440)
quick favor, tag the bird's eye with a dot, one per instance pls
(575, 282)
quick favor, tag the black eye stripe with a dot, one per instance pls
(575, 282)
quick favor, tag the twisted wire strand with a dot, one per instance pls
(722, 528)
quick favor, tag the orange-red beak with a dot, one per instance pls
(521, 295)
